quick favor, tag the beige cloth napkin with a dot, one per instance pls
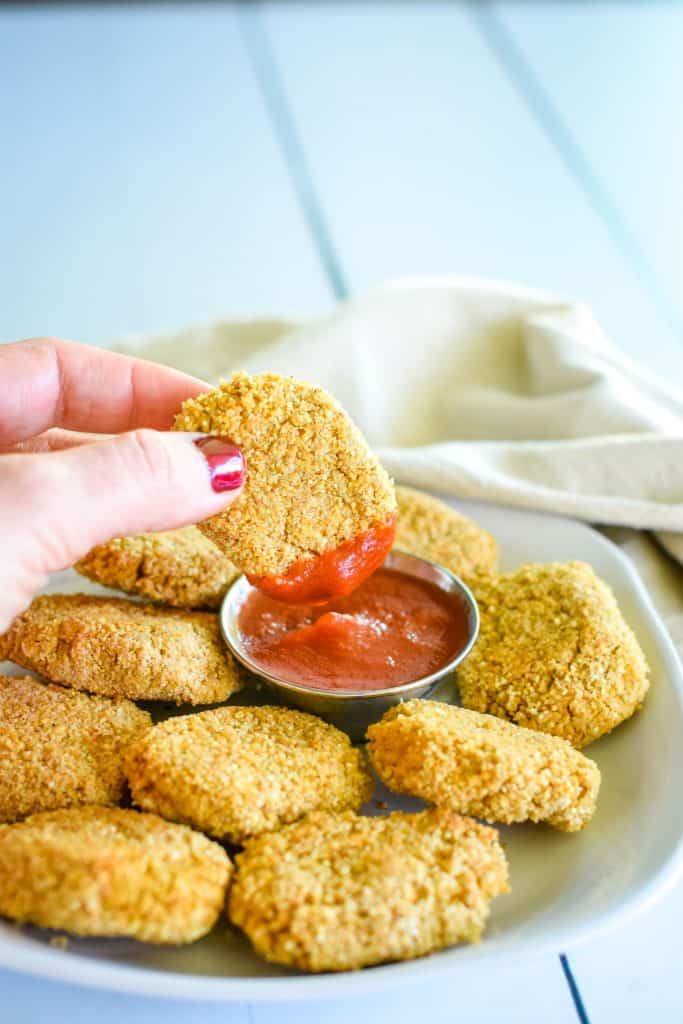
(488, 391)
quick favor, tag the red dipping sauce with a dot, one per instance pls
(333, 573)
(393, 629)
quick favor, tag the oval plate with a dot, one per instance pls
(565, 888)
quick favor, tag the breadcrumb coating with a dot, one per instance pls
(554, 653)
(338, 892)
(481, 765)
(312, 482)
(105, 871)
(60, 748)
(181, 568)
(431, 529)
(123, 649)
(239, 771)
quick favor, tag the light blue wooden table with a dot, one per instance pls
(169, 164)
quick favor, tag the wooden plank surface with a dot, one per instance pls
(614, 76)
(484, 995)
(174, 163)
(426, 159)
(634, 973)
(611, 73)
(27, 1000)
(142, 185)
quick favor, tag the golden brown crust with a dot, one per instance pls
(122, 649)
(484, 766)
(106, 871)
(312, 481)
(338, 892)
(60, 748)
(429, 528)
(181, 568)
(554, 653)
(239, 771)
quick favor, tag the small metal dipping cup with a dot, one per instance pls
(354, 710)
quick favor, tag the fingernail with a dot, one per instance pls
(227, 468)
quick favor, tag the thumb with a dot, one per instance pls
(66, 502)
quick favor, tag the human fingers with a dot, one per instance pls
(55, 506)
(53, 440)
(47, 382)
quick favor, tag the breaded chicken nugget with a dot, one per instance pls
(236, 772)
(338, 892)
(61, 748)
(554, 653)
(312, 482)
(481, 765)
(180, 567)
(122, 649)
(429, 528)
(107, 871)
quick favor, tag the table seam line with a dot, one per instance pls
(269, 80)
(543, 110)
(574, 991)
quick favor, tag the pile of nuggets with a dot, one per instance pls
(115, 826)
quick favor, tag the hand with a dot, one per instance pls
(67, 484)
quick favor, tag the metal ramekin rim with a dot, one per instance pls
(422, 683)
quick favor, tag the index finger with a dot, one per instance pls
(47, 382)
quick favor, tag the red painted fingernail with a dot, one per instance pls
(227, 468)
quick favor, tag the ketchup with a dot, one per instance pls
(393, 629)
(334, 573)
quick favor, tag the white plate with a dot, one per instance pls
(565, 888)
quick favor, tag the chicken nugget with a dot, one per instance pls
(554, 653)
(338, 892)
(313, 487)
(430, 529)
(239, 771)
(123, 649)
(484, 766)
(179, 567)
(106, 871)
(61, 748)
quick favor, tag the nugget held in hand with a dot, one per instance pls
(122, 649)
(106, 871)
(431, 529)
(481, 765)
(238, 771)
(317, 513)
(60, 748)
(554, 653)
(181, 568)
(338, 892)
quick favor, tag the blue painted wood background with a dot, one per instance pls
(164, 164)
